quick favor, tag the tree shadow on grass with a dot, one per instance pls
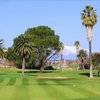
(36, 71)
(85, 74)
(88, 74)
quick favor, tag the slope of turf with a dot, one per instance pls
(78, 86)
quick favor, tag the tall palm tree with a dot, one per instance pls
(23, 47)
(89, 19)
(61, 47)
(77, 44)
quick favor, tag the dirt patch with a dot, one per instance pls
(50, 77)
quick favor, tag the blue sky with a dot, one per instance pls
(63, 16)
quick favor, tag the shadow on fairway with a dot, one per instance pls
(36, 71)
(85, 74)
(63, 82)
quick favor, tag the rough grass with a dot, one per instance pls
(78, 86)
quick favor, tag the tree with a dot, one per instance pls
(46, 43)
(61, 47)
(23, 47)
(11, 55)
(77, 44)
(1, 53)
(89, 19)
(1, 49)
(82, 56)
(96, 58)
(96, 61)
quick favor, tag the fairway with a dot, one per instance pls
(78, 86)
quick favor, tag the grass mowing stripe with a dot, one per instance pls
(66, 91)
(38, 92)
(45, 87)
(55, 88)
(24, 81)
(53, 92)
(79, 89)
(41, 82)
(12, 81)
(5, 81)
(41, 91)
(1, 80)
(21, 91)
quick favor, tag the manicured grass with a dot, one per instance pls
(78, 86)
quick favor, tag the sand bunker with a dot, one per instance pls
(50, 77)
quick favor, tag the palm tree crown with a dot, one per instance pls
(77, 44)
(89, 19)
(22, 45)
(88, 16)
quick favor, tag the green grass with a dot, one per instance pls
(78, 86)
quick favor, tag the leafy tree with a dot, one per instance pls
(89, 19)
(10, 54)
(96, 59)
(46, 43)
(23, 47)
(13, 57)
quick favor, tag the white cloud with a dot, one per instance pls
(69, 50)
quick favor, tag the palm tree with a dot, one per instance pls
(61, 47)
(77, 44)
(82, 56)
(23, 47)
(89, 19)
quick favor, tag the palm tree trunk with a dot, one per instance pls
(23, 66)
(61, 62)
(90, 58)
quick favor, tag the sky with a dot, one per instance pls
(63, 16)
